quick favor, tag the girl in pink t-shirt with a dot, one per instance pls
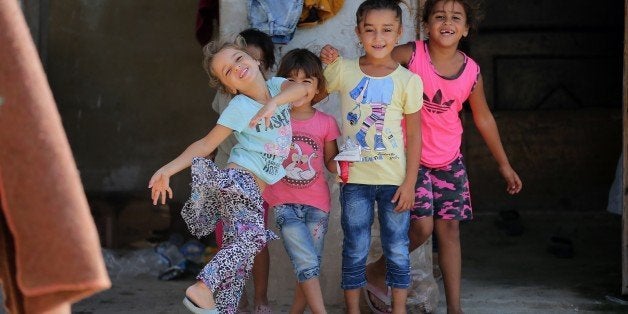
(442, 191)
(301, 200)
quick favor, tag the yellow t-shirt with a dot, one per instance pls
(372, 111)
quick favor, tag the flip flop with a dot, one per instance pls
(372, 291)
(197, 310)
(263, 309)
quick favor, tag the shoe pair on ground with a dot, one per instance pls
(349, 151)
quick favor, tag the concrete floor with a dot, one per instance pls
(501, 274)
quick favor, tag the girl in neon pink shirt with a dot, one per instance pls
(442, 191)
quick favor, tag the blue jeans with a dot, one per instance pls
(303, 230)
(357, 202)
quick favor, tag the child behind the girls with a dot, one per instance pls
(260, 47)
(301, 200)
(234, 193)
(376, 94)
(442, 192)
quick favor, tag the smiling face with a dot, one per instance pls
(235, 69)
(256, 53)
(447, 23)
(379, 32)
(311, 84)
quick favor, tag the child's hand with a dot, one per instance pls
(160, 187)
(404, 197)
(266, 113)
(329, 54)
(513, 183)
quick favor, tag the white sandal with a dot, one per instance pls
(197, 310)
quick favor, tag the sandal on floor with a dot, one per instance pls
(371, 291)
(263, 309)
(197, 310)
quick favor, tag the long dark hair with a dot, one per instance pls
(255, 37)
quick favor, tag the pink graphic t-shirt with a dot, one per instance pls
(441, 128)
(305, 181)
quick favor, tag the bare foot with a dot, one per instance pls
(200, 294)
(243, 305)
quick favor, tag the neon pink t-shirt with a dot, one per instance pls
(441, 128)
(305, 181)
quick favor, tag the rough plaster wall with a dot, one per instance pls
(129, 85)
(566, 159)
(339, 32)
(553, 79)
(552, 48)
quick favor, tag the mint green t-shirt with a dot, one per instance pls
(260, 149)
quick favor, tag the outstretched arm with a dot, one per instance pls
(160, 181)
(291, 92)
(403, 53)
(485, 122)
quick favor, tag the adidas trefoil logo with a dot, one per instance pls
(435, 105)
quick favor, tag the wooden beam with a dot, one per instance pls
(624, 259)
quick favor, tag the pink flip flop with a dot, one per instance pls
(372, 291)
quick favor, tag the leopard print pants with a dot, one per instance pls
(232, 196)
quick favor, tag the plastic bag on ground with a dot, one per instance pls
(423, 293)
(129, 264)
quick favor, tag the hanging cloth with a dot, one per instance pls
(206, 18)
(277, 18)
(50, 255)
(318, 11)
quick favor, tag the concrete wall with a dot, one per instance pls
(128, 81)
(552, 74)
(564, 54)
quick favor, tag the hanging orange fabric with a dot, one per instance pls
(318, 11)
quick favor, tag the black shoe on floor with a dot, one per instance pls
(509, 221)
(560, 246)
